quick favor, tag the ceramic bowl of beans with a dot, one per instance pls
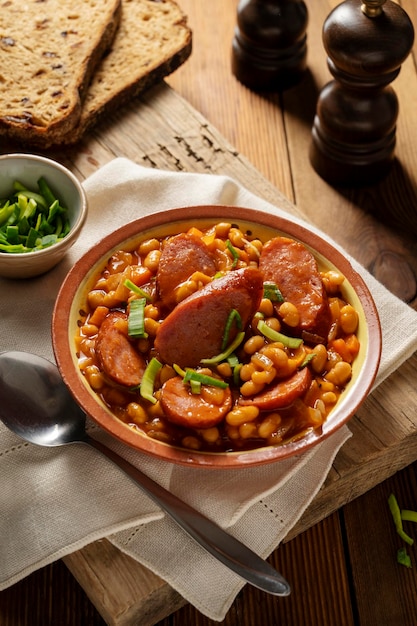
(43, 208)
(216, 336)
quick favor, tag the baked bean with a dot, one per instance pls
(222, 230)
(94, 377)
(151, 326)
(264, 377)
(348, 319)
(266, 307)
(152, 259)
(210, 435)
(148, 246)
(192, 443)
(249, 388)
(289, 313)
(136, 413)
(269, 425)
(248, 430)
(319, 360)
(253, 344)
(340, 374)
(225, 370)
(242, 414)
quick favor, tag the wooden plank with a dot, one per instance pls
(373, 544)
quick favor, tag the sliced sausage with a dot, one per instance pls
(195, 328)
(181, 256)
(281, 394)
(193, 410)
(294, 269)
(116, 354)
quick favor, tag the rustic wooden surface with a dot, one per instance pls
(338, 564)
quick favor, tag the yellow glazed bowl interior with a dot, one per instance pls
(27, 169)
(72, 299)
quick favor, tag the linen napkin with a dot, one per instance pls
(54, 501)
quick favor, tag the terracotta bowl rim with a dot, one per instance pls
(64, 349)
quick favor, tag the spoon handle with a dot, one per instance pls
(231, 552)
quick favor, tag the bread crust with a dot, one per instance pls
(48, 53)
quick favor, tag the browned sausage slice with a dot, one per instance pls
(282, 394)
(182, 255)
(194, 329)
(193, 410)
(116, 355)
(294, 269)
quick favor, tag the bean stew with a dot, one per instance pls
(214, 340)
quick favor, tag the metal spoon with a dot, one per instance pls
(36, 405)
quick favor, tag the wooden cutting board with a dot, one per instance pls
(162, 130)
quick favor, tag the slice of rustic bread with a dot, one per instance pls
(152, 41)
(48, 52)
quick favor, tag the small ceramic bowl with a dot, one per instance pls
(81, 278)
(27, 169)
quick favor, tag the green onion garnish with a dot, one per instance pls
(403, 558)
(233, 252)
(148, 381)
(272, 292)
(409, 516)
(178, 370)
(307, 360)
(273, 335)
(28, 211)
(140, 292)
(204, 379)
(136, 319)
(233, 315)
(226, 353)
(396, 515)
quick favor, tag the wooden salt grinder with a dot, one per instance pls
(353, 135)
(269, 50)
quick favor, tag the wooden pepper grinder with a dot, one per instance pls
(269, 49)
(353, 135)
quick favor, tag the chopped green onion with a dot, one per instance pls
(178, 370)
(6, 211)
(204, 379)
(195, 386)
(273, 335)
(140, 292)
(32, 238)
(307, 360)
(396, 515)
(232, 360)
(136, 319)
(233, 252)
(147, 385)
(233, 315)
(224, 355)
(272, 292)
(236, 374)
(46, 191)
(36, 198)
(403, 558)
(408, 516)
(29, 211)
(12, 234)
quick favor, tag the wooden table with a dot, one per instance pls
(341, 556)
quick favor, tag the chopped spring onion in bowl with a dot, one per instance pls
(31, 219)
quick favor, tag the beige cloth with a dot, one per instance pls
(54, 501)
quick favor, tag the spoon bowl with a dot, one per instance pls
(37, 406)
